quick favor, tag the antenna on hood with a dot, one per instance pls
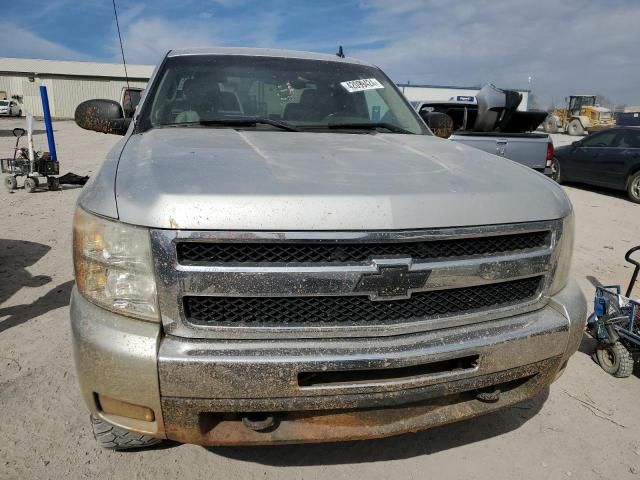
(340, 51)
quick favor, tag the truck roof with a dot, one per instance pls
(265, 52)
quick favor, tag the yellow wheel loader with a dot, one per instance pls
(581, 115)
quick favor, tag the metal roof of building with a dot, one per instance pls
(454, 87)
(69, 68)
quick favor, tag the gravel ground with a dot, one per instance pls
(583, 427)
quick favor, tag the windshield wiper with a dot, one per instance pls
(235, 122)
(369, 126)
(242, 121)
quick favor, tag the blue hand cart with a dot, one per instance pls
(615, 324)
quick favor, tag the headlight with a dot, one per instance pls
(113, 266)
(564, 250)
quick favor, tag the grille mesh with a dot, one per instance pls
(333, 252)
(354, 310)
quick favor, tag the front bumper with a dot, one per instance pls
(200, 390)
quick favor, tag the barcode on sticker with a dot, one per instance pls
(361, 85)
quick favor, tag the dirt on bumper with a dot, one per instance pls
(201, 390)
(202, 422)
(513, 360)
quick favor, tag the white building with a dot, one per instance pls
(436, 93)
(68, 83)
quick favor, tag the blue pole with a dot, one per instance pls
(47, 123)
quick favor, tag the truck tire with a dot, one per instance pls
(615, 359)
(633, 187)
(575, 128)
(116, 438)
(550, 125)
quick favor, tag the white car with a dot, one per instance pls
(10, 108)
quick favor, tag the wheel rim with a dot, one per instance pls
(608, 358)
(635, 188)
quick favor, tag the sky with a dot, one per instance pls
(566, 47)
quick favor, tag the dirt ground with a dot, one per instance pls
(586, 426)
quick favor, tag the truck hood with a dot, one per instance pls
(226, 179)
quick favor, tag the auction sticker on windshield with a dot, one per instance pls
(362, 84)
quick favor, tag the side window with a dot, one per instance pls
(630, 139)
(376, 105)
(603, 139)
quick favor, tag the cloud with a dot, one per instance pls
(229, 3)
(567, 47)
(147, 39)
(21, 43)
(129, 13)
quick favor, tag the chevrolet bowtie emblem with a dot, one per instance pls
(392, 282)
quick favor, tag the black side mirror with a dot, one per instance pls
(576, 144)
(105, 116)
(440, 124)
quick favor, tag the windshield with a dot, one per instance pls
(309, 95)
(579, 102)
(4, 104)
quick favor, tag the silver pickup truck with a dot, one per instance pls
(491, 122)
(533, 150)
(279, 250)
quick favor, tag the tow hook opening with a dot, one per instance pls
(489, 395)
(492, 393)
(260, 421)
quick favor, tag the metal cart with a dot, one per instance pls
(21, 166)
(615, 324)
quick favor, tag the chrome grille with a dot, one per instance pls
(355, 310)
(340, 252)
(349, 284)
